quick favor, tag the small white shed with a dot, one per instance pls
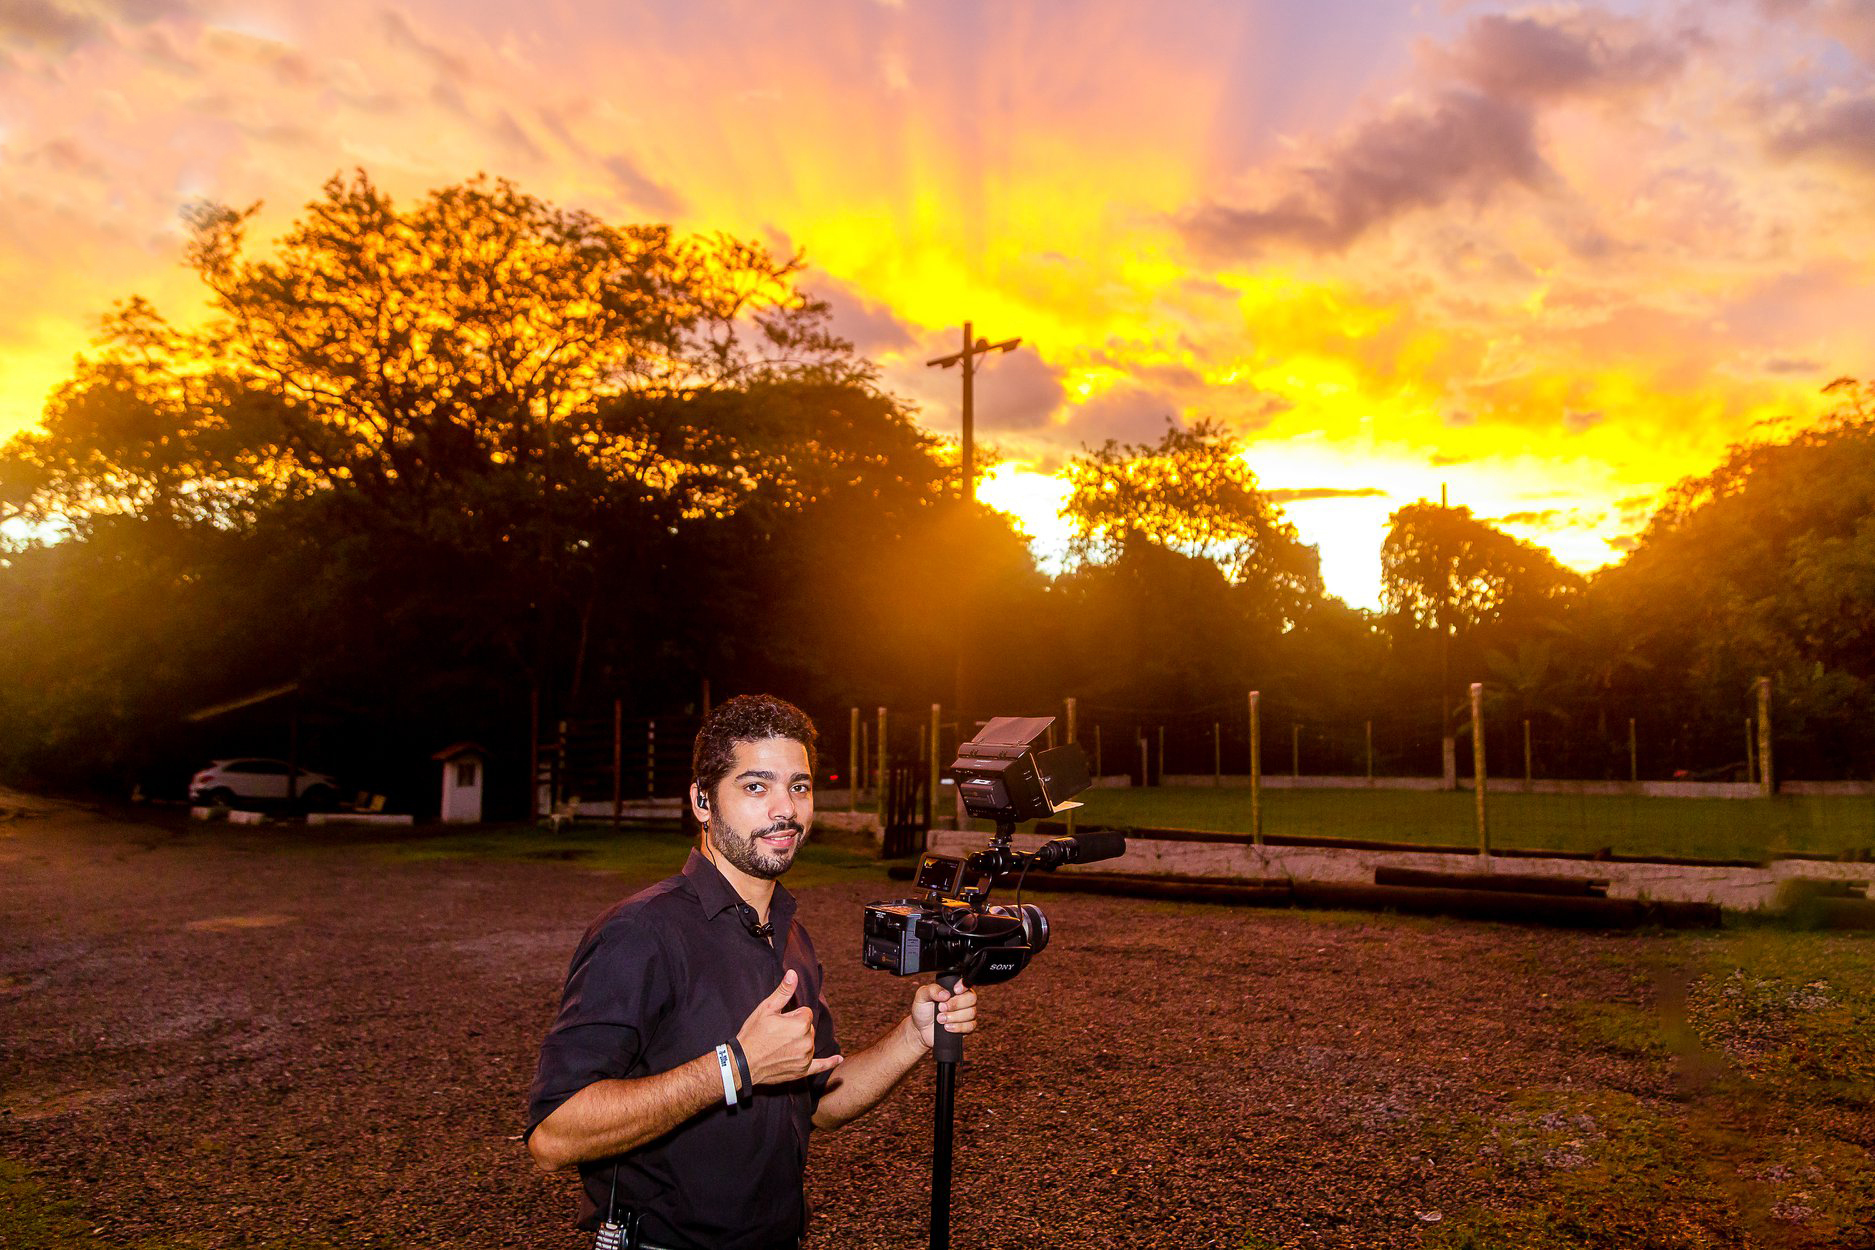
(464, 770)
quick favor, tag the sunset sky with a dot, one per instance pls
(1554, 257)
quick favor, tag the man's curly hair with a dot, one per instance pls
(746, 718)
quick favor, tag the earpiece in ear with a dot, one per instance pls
(703, 802)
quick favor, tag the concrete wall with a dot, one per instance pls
(1736, 888)
(1517, 785)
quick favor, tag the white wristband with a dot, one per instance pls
(728, 1066)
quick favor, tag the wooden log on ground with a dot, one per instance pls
(1580, 911)
(1503, 882)
(1846, 913)
(1583, 912)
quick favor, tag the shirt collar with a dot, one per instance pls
(717, 895)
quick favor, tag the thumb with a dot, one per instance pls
(782, 993)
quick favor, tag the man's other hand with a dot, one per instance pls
(780, 1044)
(957, 1011)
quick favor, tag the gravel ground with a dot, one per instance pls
(209, 1032)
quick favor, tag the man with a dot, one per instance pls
(694, 1049)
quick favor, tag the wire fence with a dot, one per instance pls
(1266, 764)
(1624, 787)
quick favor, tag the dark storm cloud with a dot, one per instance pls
(1247, 408)
(1843, 129)
(644, 191)
(1463, 145)
(1167, 375)
(1530, 58)
(1464, 141)
(50, 27)
(1014, 391)
(872, 327)
(1127, 415)
(67, 157)
(60, 26)
(1792, 364)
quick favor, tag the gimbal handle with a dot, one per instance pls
(946, 1046)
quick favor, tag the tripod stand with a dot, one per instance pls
(948, 1049)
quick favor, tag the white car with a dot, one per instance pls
(227, 782)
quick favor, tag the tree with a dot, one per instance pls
(1443, 569)
(433, 451)
(1766, 566)
(1190, 493)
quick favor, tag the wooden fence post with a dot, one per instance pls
(882, 777)
(1073, 730)
(852, 761)
(1477, 766)
(1256, 768)
(937, 734)
(1767, 779)
(651, 758)
(533, 755)
(1634, 754)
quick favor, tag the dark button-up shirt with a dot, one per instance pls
(661, 978)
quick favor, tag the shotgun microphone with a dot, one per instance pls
(1086, 849)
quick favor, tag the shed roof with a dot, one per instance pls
(457, 749)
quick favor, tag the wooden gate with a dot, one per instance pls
(907, 810)
(615, 760)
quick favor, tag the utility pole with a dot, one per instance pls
(967, 357)
(1448, 740)
(972, 348)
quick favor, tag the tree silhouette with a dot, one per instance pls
(431, 452)
(1192, 493)
(1442, 568)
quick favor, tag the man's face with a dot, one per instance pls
(760, 813)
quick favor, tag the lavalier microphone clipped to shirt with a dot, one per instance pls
(764, 930)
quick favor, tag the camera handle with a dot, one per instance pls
(947, 1048)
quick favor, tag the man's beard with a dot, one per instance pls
(750, 855)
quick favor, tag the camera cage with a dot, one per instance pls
(1008, 774)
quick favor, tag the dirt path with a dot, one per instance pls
(218, 1034)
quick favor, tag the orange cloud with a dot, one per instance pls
(1552, 258)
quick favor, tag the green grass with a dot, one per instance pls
(1794, 1013)
(1748, 829)
(1765, 1144)
(829, 857)
(32, 1219)
(1695, 828)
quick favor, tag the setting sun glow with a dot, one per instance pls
(1549, 259)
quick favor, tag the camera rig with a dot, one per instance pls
(1005, 774)
(953, 929)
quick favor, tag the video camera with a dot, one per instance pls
(1004, 774)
